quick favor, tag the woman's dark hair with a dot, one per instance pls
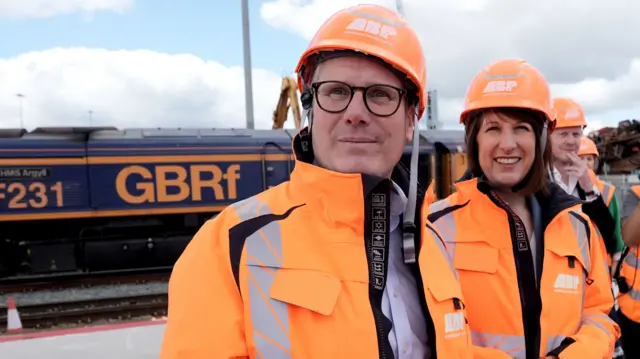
(536, 180)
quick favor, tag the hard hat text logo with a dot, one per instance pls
(361, 26)
(500, 86)
(572, 113)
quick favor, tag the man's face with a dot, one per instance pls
(565, 141)
(356, 140)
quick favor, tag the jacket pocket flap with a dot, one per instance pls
(564, 249)
(443, 289)
(476, 256)
(313, 290)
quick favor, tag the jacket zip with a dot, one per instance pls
(378, 315)
(376, 239)
(532, 337)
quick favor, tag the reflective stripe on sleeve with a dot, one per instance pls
(263, 251)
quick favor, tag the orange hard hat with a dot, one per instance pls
(587, 147)
(509, 83)
(375, 31)
(569, 113)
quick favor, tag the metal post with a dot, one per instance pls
(248, 88)
(400, 7)
(20, 97)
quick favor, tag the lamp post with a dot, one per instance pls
(20, 98)
(248, 88)
(400, 7)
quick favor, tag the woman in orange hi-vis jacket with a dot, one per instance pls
(334, 263)
(530, 263)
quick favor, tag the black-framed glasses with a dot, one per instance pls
(335, 97)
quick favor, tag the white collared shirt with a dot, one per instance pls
(571, 187)
(400, 299)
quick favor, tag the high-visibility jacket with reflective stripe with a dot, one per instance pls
(298, 271)
(509, 310)
(607, 190)
(629, 302)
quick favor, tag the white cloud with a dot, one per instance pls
(587, 49)
(20, 9)
(130, 89)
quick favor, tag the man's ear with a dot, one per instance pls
(411, 121)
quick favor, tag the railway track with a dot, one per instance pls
(82, 312)
(27, 284)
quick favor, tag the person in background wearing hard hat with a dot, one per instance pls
(628, 274)
(532, 276)
(588, 152)
(571, 173)
(338, 262)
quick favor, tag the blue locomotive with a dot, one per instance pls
(98, 199)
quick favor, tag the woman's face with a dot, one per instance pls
(590, 160)
(506, 149)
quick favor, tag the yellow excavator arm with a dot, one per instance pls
(288, 99)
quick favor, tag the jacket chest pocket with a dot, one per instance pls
(475, 257)
(292, 311)
(308, 289)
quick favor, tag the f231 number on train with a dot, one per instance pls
(31, 195)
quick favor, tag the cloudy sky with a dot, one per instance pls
(167, 63)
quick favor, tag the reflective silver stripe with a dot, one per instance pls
(595, 319)
(444, 252)
(605, 193)
(263, 252)
(439, 205)
(580, 231)
(633, 294)
(554, 341)
(513, 345)
(631, 259)
(445, 225)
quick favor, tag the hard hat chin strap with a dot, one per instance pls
(409, 226)
(543, 139)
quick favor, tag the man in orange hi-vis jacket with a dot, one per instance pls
(336, 262)
(529, 260)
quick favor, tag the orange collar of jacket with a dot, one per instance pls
(551, 205)
(340, 194)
